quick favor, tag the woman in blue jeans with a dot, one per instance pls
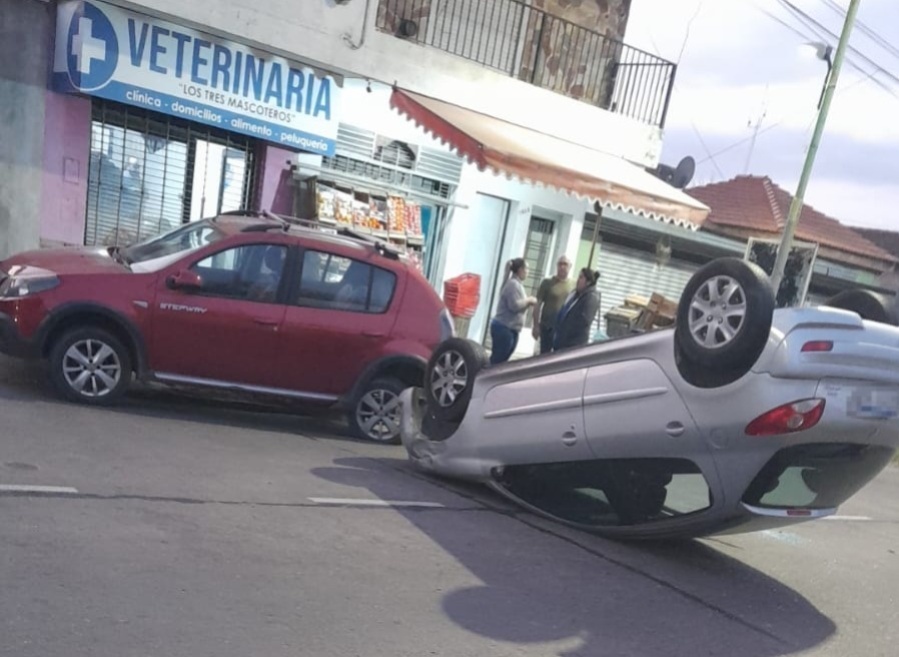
(510, 311)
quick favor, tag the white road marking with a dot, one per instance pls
(15, 488)
(340, 501)
(850, 518)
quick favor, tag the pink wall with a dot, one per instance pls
(275, 188)
(67, 134)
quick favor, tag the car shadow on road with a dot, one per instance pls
(238, 415)
(22, 381)
(542, 583)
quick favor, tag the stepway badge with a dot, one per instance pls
(117, 54)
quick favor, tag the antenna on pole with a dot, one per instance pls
(755, 132)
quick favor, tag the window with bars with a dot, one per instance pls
(537, 251)
(149, 173)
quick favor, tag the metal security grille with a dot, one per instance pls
(626, 271)
(388, 175)
(383, 158)
(149, 173)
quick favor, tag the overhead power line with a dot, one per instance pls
(771, 126)
(809, 21)
(817, 33)
(865, 29)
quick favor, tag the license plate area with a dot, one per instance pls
(873, 403)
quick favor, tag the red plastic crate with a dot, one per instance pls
(462, 295)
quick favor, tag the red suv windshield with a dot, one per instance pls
(185, 238)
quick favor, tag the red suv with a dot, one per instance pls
(254, 305)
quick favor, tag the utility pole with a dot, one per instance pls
(796, 207)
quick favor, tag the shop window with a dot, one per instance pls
(247, 273)
(149, 173)
(333, 282)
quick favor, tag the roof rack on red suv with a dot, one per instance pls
(284, 222)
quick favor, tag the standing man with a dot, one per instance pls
(550, 297)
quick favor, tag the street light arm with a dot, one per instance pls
(826, 77)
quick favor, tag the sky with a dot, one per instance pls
(738, 65)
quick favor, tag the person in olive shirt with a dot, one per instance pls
(551, 295)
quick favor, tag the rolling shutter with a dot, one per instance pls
(626, 271)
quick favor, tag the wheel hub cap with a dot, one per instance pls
(449, 378)
(91, 368)
(717, 312)
(378, 414)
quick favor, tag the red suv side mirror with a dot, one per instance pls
(184, 280)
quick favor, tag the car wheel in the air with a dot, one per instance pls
(450, 375)
(869, 305)
(723, 321)
(90, 366)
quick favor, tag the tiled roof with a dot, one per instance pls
(755, 203)
(885, 239)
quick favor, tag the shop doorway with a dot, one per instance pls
(149, 172)
(483, 233)
(537, 251)
(219, 179)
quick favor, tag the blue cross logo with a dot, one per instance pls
(92, 48)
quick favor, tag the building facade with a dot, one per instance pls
(127, 118)
(638, 257)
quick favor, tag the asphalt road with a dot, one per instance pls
(195, 529)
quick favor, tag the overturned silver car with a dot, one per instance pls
(740, 418)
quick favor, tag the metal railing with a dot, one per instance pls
(530, 44)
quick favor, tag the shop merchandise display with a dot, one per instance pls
(393, 218)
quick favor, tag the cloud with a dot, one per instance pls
(738, 62)
(858, 111)
(855, 203)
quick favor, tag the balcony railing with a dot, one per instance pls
(529, 44)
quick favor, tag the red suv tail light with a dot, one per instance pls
(789, 418)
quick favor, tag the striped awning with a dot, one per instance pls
(538, 158)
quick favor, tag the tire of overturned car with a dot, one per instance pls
(869, 305)
(723, 322)
(450, 375)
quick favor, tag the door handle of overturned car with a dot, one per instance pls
(675, 429)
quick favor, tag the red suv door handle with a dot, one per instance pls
(266, 322)
(373, 334)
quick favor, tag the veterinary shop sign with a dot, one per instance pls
(106, 51)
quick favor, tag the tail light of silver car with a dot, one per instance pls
(447, 326)
(817, 346)
(789, 418)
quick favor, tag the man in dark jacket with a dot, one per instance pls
(578, 313)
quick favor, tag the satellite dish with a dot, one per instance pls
(664, 172)
(683, 174)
